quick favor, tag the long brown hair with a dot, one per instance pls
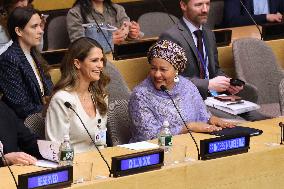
(80, 49)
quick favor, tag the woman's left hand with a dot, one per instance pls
(134, 30)
(220, 123)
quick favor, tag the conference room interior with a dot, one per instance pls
(260, 167)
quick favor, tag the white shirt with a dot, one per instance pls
(36, 72)
(61, 120)
(260, 7)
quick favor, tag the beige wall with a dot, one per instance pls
(63, 4)
(135, 70)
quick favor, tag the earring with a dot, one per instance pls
(176, 78)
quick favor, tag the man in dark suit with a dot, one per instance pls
(199, 43)
(195, 13)
(19, 144)
(263, 11)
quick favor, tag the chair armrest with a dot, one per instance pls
(281, 96)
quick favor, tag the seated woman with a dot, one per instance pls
(8, 6)
(100, 11)
(24, 78)
(149, 106)
(82, 84)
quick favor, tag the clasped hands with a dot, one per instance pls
(128, 29)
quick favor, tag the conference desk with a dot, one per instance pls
(261, 167)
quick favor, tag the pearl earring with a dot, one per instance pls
(176, 79)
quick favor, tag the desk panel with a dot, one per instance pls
(262, 167)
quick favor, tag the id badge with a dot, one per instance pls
(100, 137)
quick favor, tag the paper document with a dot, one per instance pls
(139, 146)
(232, 107)
(49, 150)
(45, 163)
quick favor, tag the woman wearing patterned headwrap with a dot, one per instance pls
(149, 106)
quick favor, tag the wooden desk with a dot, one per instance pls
(261, 167)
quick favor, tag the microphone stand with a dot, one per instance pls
(281, 125)
(261, 36)
(6, 163)
(68, 105)
(163, 88)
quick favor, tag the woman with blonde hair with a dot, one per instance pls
(82, 84)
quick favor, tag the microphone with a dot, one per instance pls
(6, 163)
(164, 88)
(261, 37)
(281, 125)
(68, 105)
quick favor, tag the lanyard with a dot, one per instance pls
(203, 60)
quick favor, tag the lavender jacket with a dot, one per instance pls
(149, 108)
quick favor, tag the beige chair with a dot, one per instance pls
(256, 64)
(152, 24)
(118, 123)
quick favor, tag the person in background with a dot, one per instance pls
(19, 143)
(103, 11)
(199, 43)
(149, 106)
(263, 11)
(7, 7)
(24, 78)
(82, 84)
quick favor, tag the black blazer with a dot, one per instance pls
(14, 135)
(18, 82)
(181, 35)
(235, 14)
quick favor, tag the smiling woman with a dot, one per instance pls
(24, 79)
(82, 84)
(150, 105)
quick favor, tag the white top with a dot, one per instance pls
(260, 7)
(36, 72)
(61, 121)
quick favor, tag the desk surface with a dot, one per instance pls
(261, 167)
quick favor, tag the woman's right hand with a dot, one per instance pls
(20, 158)
(118, 37)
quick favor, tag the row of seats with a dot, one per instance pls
(153, 21)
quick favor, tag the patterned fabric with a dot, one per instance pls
(170, 52)
(149, 108)
(18, 82)
(118, 122)
(36, 124)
